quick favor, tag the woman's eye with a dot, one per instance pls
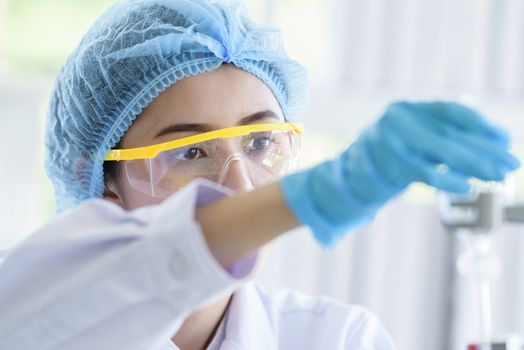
(261, 143)
(193, 153)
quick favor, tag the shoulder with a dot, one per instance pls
(324, 322)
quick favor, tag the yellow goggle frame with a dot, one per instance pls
(153, 150)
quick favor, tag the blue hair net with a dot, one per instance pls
(136, 50)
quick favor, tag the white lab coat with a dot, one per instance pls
(99, 277)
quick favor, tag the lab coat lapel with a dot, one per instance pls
(248, 325)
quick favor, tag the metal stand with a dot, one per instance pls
(480, 215)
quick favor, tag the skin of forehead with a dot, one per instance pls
(220, 98)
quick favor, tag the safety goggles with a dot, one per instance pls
(258, 153)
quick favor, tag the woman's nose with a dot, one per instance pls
(236, 176)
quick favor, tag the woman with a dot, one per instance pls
(172, 130)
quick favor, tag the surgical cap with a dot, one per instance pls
(136, 50)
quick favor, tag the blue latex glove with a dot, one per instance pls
(440, 144)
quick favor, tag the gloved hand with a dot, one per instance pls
(440, 144)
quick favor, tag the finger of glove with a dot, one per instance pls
(417, 168)
(472, 154)
(420, 140)
(487, 144)
(494, 151)
(449, 180)
(466, 119)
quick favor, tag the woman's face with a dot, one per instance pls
(225, 97)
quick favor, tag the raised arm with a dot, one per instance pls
(441, 144)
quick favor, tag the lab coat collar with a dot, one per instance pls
(248, 325)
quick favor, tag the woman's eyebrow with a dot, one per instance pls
(267, 114)
(193, 127)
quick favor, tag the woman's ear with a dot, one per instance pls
(111, 194)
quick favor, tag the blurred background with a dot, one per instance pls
(361, 54)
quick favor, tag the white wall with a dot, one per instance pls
(22, 181)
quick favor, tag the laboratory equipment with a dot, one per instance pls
(476, 218)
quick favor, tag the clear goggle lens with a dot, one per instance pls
(260, 157)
